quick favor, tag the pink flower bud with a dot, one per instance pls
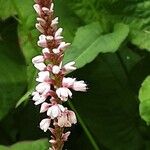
(70, 66)
(63, 93)
(54, 22)
(58, 32)
(44, 107)
(43, 88)
(38, 98)
(68, 82)
(72, 117)
(79, 86)
(41, 21)
(45, 50)
(38, 59)
(56, 69)
(63, 45)
(44, 124)
(40, 66)
(56, 51)
(39, 27)
(37, 9)
(42, 41)
(46, 10)
(55, 111)
(65, 136)
(43, 76)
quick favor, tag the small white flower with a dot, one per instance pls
(46, 10)
(45, 50)
(54, 22)
(56, 51)
(63, 93)
(58, 32)
(42, 41)
(44, 124)
(66, 135)
(41, 21)
(79, 86)
(43, 88)
(70, 66)
(68, 82)
(52, 7)
(44, 107)
(55, 111)
(38, 59)
(63, 45)
(63, 121)
(40, 66)
(72, 117)
(43, 76)
(56, 69)
(38, 98)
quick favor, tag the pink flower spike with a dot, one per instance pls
(63, 93)
(40, 66)
(70, 66)
(43, 76)
(38, 59)
(44, 107)
(56, 69)
(65, 136)
(68, 82)
(44, 124)
(55, 111)
(39, 27)
(79, 86)
(37, 9)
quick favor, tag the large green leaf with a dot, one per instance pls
(144, 96)
(109, 109)
(6, 9)
(89, 42)
(28, 145)
(12, 66)
(134, 12)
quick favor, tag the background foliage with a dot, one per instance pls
(110, 44)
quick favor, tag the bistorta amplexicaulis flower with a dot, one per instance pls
(53, 88)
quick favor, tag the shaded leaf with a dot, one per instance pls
(144, 97)
(13, 71)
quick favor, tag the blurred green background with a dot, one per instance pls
(110, 44)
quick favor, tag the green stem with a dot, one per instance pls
(94, 144)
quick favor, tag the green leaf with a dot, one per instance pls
(41, 144)
(144, 97)
(89, 42)
(12, 66)
(108, 112)
(6, 9)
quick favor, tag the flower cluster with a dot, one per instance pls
(53, 88)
